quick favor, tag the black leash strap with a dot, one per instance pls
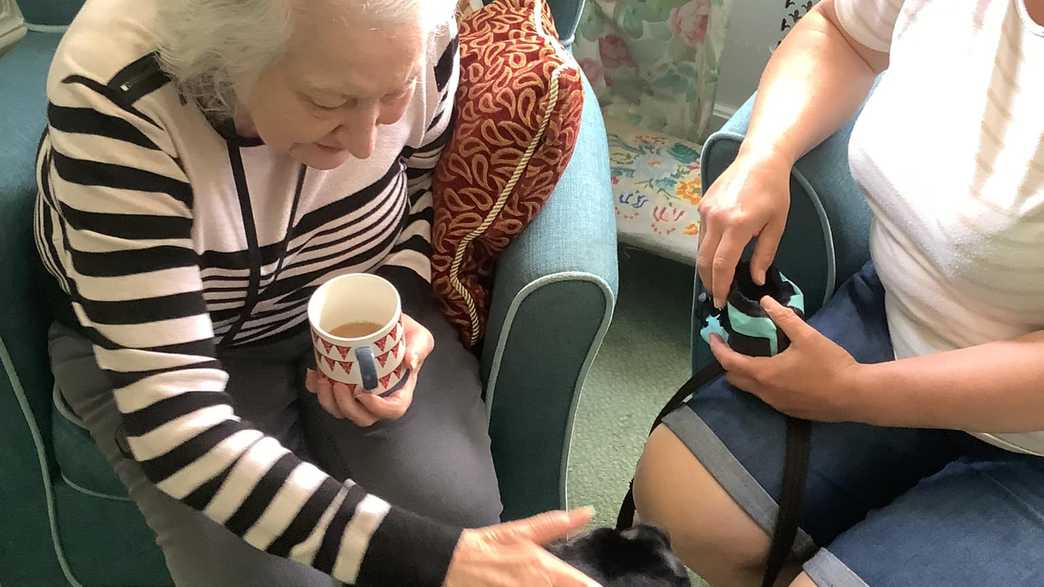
(795, 473)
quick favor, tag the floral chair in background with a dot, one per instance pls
(654, 66)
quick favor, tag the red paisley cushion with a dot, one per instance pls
(518, 114)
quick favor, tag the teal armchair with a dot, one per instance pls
(826, 238)
(67, 519)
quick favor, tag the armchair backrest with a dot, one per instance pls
(61, 12)
(25, 377)
(49, 13)
(567, 16)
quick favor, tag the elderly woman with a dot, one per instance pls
(207, 165)
(924, 375)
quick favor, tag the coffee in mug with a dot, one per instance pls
(357, 333)
(354, 329)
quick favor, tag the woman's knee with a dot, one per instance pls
(448, 476)
(469, 499)
(416, 464)
(674, 491)
(664, 478)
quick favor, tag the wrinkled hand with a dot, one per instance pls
(750, 199)
(510, 555)
(365, 409)
(814, 378)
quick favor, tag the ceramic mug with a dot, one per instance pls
(357, 333)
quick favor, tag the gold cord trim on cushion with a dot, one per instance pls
(520, 105)
(520, 168)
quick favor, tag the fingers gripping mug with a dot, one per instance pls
(357, 333)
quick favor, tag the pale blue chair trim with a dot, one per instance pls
(592, 352)
(828, 234)
(46, 28)
(41, 458)
(79, 488)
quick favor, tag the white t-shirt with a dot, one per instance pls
(950, 152)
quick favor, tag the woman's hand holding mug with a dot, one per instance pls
(365, 409)
(368, 353)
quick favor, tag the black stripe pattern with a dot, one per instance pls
(170, 239)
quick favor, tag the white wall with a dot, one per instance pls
(753, 33)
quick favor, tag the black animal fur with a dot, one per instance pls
(636, 557)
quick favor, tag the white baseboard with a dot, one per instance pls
(47, 28)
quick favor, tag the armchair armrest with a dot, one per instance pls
(553, 298)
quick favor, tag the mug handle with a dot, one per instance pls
(367, 367)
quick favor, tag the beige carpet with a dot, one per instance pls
(645, 358)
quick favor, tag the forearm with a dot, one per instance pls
(813, 84)
(994, 387)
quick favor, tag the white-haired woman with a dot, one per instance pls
(207, 165)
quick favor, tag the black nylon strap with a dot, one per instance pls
(795, 473)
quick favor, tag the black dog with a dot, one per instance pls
(636, 557)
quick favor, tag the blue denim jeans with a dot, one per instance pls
(883, 506)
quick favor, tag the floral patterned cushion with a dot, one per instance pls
(518, 115)
(656, 188)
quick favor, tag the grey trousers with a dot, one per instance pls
(434, 461)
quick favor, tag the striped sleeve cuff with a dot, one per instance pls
(408, 549)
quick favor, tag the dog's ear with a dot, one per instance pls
(647, 533)
(631, 533)
(652, 546)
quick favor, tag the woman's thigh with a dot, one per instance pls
(854, 468)
(436, 459)
(197, 550)
(979, 521)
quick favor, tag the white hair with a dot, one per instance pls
(211, 47)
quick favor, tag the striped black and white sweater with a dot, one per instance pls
(171, 236)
